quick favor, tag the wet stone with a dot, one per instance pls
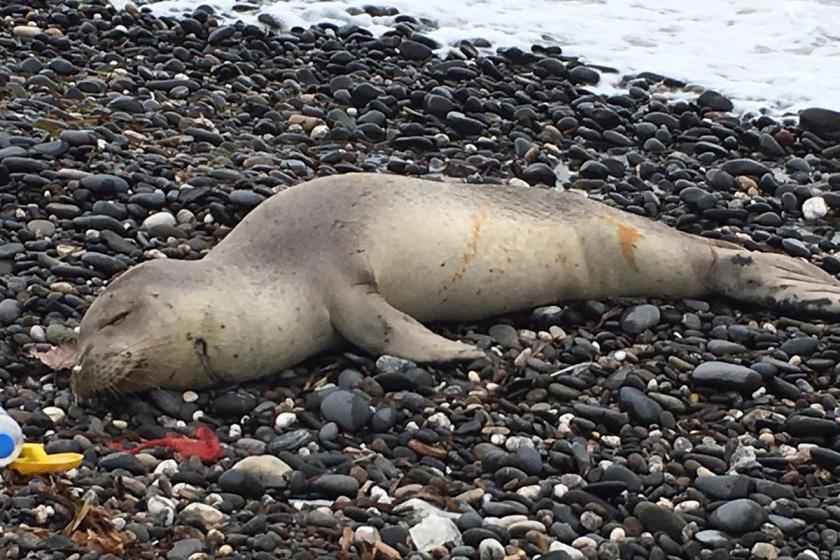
(413, 50)
(334, 485)
(724, 487)
(738, 516)
(657, 518)
(642, 409)
(123, 461)
(638, 319)
(242, 483)
(722, 375)
(184, 548)
(104, 184)
(350, 410)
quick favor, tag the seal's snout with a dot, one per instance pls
(105, 371)
(84, 381)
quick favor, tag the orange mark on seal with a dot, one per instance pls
(627, 237)
(472, 246)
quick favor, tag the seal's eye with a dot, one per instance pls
(116, 319)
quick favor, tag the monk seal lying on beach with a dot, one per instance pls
(369, 257)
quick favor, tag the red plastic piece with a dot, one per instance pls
(204, 444)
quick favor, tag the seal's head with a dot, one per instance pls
(143, 331)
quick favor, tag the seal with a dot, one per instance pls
(369, 258)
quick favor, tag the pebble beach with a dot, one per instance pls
(620, 429)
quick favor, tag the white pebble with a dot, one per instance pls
(167, 467)
(814, 208)
(119, 424)
(161, 509)
(686, 506)
(159, 219)
(497, 439)
(37, 333)
(617, 534)
(532, 492)
(439, 420)
(765, 551)
(560, 491)
(190, 396)
(42, 513)
(611, 441)
(572, 480)
(491, 549)
(208, 514)
(683, 444)
(235, 431)
(56, 414)
(320, 132)
(27, 31)
(591, 520)
(367, 534)
(556, 332)
(284, 420)
(185, 216)
(584, 543)
(656, 464)
(515, 442)
(442, 140)
(379, 495)
(154, 254)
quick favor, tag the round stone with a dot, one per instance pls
(738, 516)
(350, 410)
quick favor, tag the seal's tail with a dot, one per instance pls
(776, 281)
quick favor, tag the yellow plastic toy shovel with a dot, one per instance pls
(33, 459)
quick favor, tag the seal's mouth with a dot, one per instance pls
(96, 375)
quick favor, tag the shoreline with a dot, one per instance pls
(741, 67)
(127, 137)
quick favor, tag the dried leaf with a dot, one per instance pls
(110, 542)
(59, 357)
(93, 530)
(81, 513)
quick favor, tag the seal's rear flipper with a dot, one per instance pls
(776, 281)
(362, 316)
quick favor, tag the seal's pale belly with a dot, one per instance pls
(472, 262)
(483, 269)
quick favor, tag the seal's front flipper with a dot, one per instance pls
(362, 316)
(776, 281)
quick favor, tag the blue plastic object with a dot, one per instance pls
(7, 445)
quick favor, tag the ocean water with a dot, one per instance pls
(773, 56)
